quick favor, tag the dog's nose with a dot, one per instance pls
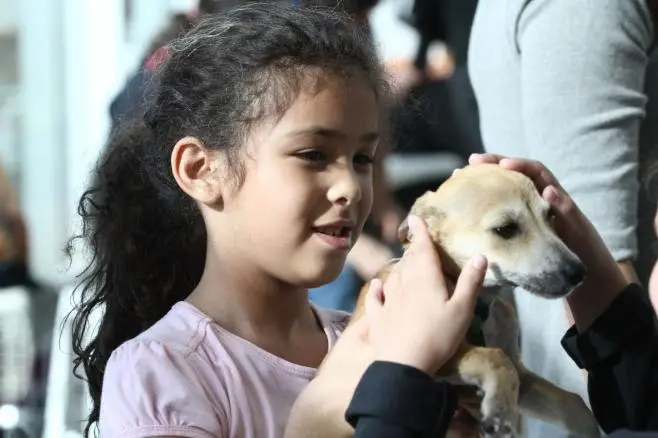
(575, 273)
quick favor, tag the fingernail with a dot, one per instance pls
(551, 194)
(479, 262)
(414, 223)
(375, 284)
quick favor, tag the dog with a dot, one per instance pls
(485, 209)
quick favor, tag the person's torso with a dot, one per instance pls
(255, 388)
(496, 75)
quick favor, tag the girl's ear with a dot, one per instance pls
(195, 169)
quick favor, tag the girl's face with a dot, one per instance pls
(307, 189)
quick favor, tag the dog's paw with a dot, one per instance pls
(500, 404)
(501, 424)
(500, 413)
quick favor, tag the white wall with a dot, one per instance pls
(43, 169)
(8, 15)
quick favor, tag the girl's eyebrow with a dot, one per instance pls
(332, 133)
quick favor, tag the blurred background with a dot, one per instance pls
(63, 63)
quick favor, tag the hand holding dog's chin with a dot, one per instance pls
(590, 300)
(416, 304)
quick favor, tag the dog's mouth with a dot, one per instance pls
(547, 285)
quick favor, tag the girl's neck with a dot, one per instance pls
(252, 305)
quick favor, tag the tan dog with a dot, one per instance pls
(487, 210)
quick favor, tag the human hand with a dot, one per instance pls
(414, 320)
(578, 233)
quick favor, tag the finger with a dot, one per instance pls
(560, 201)
(419, 236)
(484, 158)
(536, 171)
(374, 298)
(470, 282)
(421, 251)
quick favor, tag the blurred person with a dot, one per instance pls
(440, 113)
(566, 82)
(14, 269)
(129, 101)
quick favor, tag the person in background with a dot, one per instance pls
(129, 102)
(566, 82)
(14, 270)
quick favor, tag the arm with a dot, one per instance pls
(399, 401)
(620, 352)
(583, 101)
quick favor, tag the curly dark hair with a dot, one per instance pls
(146, 237)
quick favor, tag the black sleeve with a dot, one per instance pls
(399, 401)
(625, 433)
(620, 352)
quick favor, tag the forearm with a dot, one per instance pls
(620, 352)
(398, 401)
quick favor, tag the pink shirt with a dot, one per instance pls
(188, 377)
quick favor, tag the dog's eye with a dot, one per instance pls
(507, 231)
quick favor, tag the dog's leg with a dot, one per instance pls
(538, 397)
(541, 399)
(490, 370)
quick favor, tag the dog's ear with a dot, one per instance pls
(424, 210)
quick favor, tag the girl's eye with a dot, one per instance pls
(363, 159)
(312, 156)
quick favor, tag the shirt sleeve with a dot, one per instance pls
(620, 352)
(397, 401)
(583, 65)
(149, 390)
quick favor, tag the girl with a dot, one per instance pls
(246, 181)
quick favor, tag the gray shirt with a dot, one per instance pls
(563, 81)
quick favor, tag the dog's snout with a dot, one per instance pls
(575, 273)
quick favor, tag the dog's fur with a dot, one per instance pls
(484, 209)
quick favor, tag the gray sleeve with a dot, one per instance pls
(582, 76)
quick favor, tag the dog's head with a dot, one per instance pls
(485, 209)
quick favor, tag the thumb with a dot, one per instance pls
(470, 281)
(374, 298)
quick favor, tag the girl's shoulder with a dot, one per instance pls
(158, 382)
